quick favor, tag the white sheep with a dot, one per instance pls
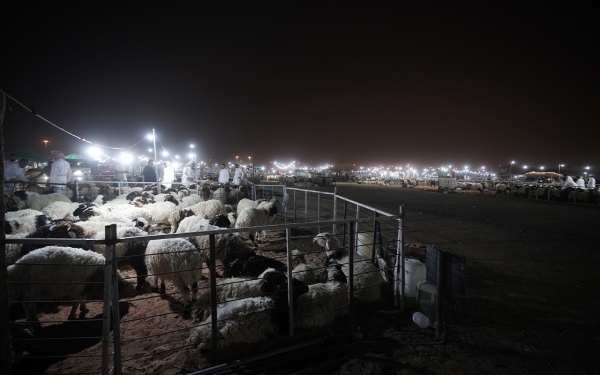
(192, 224)
(240, 321)
(190, 200)
(164, 212)
(21, 213)
(60, 210)
(256, 217)
(321, 305)
(208, 209)
(248, 203)
(38, 202)
(54, 272)
(175, 259)
(367, 277)
(229, 289)
(22, 225)
(249, 320)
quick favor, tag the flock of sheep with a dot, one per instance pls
(254, 288)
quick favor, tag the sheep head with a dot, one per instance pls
(329, 242)
(186, 213)
(157, 228)
(139, 222)
(66, 229)
(172, 199)
(220, 221)
(83, 199)
(85, 211)
(131, 196)
(140, 201)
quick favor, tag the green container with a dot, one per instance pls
(426, 296)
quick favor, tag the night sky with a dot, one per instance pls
(367, 83)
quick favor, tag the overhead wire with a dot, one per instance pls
(31, 111)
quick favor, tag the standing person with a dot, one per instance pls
(60, 172)
(568, 182)
(14, 172)
(189, 173)
(223, 175)
(167, 174)
(238, 174)
(95, 170)
(149, 172)
(591, 184)
(580, 183)
(121, 174)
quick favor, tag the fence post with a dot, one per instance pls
(111, 247)
(351, 270)
(213, 291)
(334, 209)
(399, 266)
(345, 231)
(106, 308)
(357, 225)
(288, 235)
(319, 211)
(305, 206)
(294, 206)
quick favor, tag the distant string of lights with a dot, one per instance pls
(281, 166)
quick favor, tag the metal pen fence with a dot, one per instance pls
(369, 234)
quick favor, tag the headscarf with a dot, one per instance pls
(191, 164)
(55, 155)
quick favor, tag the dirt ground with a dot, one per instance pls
(531, 307)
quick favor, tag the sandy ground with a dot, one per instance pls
(531, 307)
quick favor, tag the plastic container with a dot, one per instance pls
(426, 296)
(414, 270)
(420, 319)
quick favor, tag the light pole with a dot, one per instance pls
(192, 153)
(155, 160)
(560, 165)
(45, 148)
(510, 171)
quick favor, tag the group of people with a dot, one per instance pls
(190, 173)
(568, 182)
(58, 170)
(238, 174)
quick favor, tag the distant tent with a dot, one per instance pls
(28, 154)
(74, 156)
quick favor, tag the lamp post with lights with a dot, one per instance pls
(155, 160)
(510, 170)
(560, 165)
(45, 148)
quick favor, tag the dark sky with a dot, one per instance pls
(368, 83)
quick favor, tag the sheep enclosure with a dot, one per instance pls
(153, 328)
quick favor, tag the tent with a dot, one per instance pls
(28, 154)
(74, 156)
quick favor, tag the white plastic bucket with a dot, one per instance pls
(414, 270)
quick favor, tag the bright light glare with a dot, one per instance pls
(126, 158)
(150, 137)
(94, 151)
(191, 156)
(165, 153)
